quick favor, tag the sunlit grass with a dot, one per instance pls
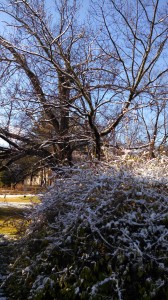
(20, 199)
(13, 221)
(8, 228)
(13, 227)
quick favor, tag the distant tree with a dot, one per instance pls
(18, 171)
(155, 125)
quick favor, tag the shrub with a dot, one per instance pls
(102, 233)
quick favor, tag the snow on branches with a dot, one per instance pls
(104, 231)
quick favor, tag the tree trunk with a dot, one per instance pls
(151, 149)
(97, 137)
(65, 152)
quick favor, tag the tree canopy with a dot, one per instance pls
(66, 83)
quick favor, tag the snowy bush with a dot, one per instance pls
(101, 233)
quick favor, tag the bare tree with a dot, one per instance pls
(39, 55)
(76, 83)
(133, 34)
(155, 126)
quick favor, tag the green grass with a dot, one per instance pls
(12, 219)
(12, 222)
(24, 199)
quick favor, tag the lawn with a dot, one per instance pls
(19, 199)
(13, 220)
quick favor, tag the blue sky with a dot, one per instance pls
(4, 18)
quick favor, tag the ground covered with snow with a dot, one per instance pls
(100, 233)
